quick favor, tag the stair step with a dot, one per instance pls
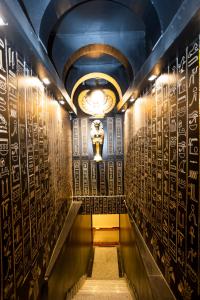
(105, 284)
(94, 289)
(103, 297)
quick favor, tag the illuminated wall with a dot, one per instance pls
(35, 175)
(162, 171)
(99, 185)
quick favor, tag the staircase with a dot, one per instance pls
(93, 289)
(105, 283)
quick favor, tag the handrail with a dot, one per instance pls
(69, 220)
(150, 265)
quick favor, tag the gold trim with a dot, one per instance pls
(97, 75)
(95, 50)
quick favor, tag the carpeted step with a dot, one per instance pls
(104, 289)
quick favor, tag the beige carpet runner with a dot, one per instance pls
(105, 283)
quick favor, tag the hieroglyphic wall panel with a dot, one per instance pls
(110, 133)
(85, 176)
(119, 136)
(119, 177)
(76, 137)
(102, 204)
(111, 175)
(173, 161)
(165, 177)
(77, 177)
(98, 179)
(84, 136)
(93, 178)
(193, 216)
(102, 177)
(7, 255)
(163, 192)
(35, 175)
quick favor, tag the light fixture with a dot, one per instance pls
(62, 102)
(46, 80)
(132, 99)
(2, 22)
(123, 110)
(97, 96)
(97, 101)
(152, 77)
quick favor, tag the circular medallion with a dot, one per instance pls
(97, 102)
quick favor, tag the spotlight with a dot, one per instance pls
(123, 110)
(62, 102)
(132, 99)
(46, 80)
(152, 77)
(2, 22)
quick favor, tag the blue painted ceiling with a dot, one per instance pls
(66, 27)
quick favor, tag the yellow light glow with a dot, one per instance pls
(29, 81)
(97, 102)
(2, 22)
(97, 97)
(62, 102)
(46, 80)
(152, 77)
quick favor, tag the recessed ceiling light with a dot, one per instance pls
(46, 80)
(132, 99)
(123, 110)
(62, 102)
(152, 77)
(2, 22)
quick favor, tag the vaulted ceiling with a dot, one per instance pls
(109, 36)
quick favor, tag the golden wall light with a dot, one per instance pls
(46, 81)
(62, 102)
(132, 99)
(3, 22)
(152, 77)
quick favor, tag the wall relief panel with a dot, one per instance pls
(162, 171)
(103, 178)
(35, 174)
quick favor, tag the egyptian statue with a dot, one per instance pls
(97, 137)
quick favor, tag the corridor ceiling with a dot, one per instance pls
(109, 36)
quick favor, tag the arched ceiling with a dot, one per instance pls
(129, 27)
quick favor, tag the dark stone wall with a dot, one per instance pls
(162, 170)
(99, 185)
(35, 175)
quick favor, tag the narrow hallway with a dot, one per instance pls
(99, 148)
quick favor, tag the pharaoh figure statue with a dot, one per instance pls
(97, 137)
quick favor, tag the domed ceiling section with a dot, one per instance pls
(103, 23)
(129, 27)
(103, 63)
